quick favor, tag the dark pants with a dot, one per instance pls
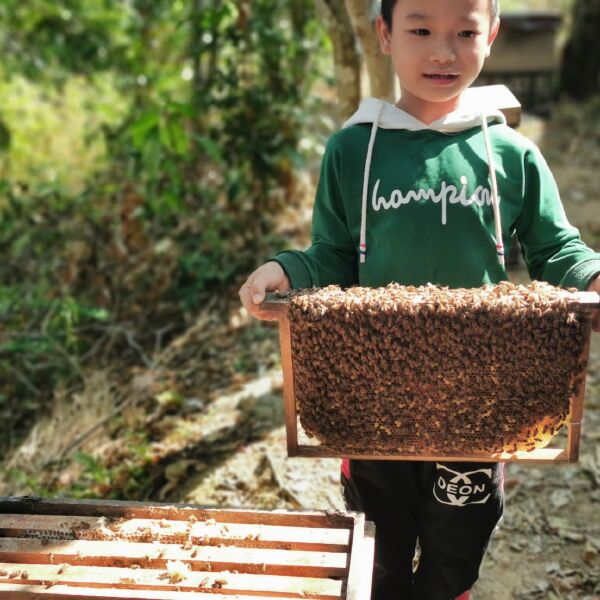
(450, 508)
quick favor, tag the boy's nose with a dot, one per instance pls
(443, 54)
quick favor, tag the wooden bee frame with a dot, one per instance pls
(584, 301)
(79, 550)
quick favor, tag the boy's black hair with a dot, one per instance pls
(387, 7)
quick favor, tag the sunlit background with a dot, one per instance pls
(152, 154)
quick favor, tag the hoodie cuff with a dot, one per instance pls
(580, 275)
(294, 268)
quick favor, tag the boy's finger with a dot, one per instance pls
(257, 289)
(253, 308)
(246, 298)
(255, 311)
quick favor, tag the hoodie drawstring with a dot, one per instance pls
(495, 197)
(365, 197)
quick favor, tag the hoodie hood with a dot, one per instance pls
(388, 116)
(382, 114)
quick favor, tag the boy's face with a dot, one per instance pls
(437, 48)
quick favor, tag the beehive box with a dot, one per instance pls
(526, 56)
(65, 549)
(526, 44)
(435, 374)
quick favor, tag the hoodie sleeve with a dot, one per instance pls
(552, 248)
(332, 257)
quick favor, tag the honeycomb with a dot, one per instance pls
(432, 370)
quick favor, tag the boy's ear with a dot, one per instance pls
(493, 33)
(383, 33)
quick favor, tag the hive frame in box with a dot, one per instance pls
(586, 301)
(330, 552)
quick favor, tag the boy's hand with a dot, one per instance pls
(595, 287)
(268, 278)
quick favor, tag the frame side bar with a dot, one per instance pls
(289, 400)
(574, 430)
(356, 569)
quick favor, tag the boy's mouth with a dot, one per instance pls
(441, 77)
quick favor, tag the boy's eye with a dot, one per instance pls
(419, 31)
(468, 34)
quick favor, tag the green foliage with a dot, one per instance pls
(146, 151)
(23, 479)
(39, 151)
(43, 34)
(518, 5)
(94, 477)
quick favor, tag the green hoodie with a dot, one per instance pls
(423, 200)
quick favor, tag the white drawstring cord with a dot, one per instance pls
(495, 197)
(365, 197)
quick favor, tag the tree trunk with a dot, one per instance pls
(203, 61)
(379, 65)
(301, 12)
(580, 72)
(347, 61)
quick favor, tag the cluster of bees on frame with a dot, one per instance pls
(420, 370)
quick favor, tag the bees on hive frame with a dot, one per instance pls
(426, 369)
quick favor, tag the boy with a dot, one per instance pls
(425, 192)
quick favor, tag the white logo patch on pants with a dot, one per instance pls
(461, 489)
